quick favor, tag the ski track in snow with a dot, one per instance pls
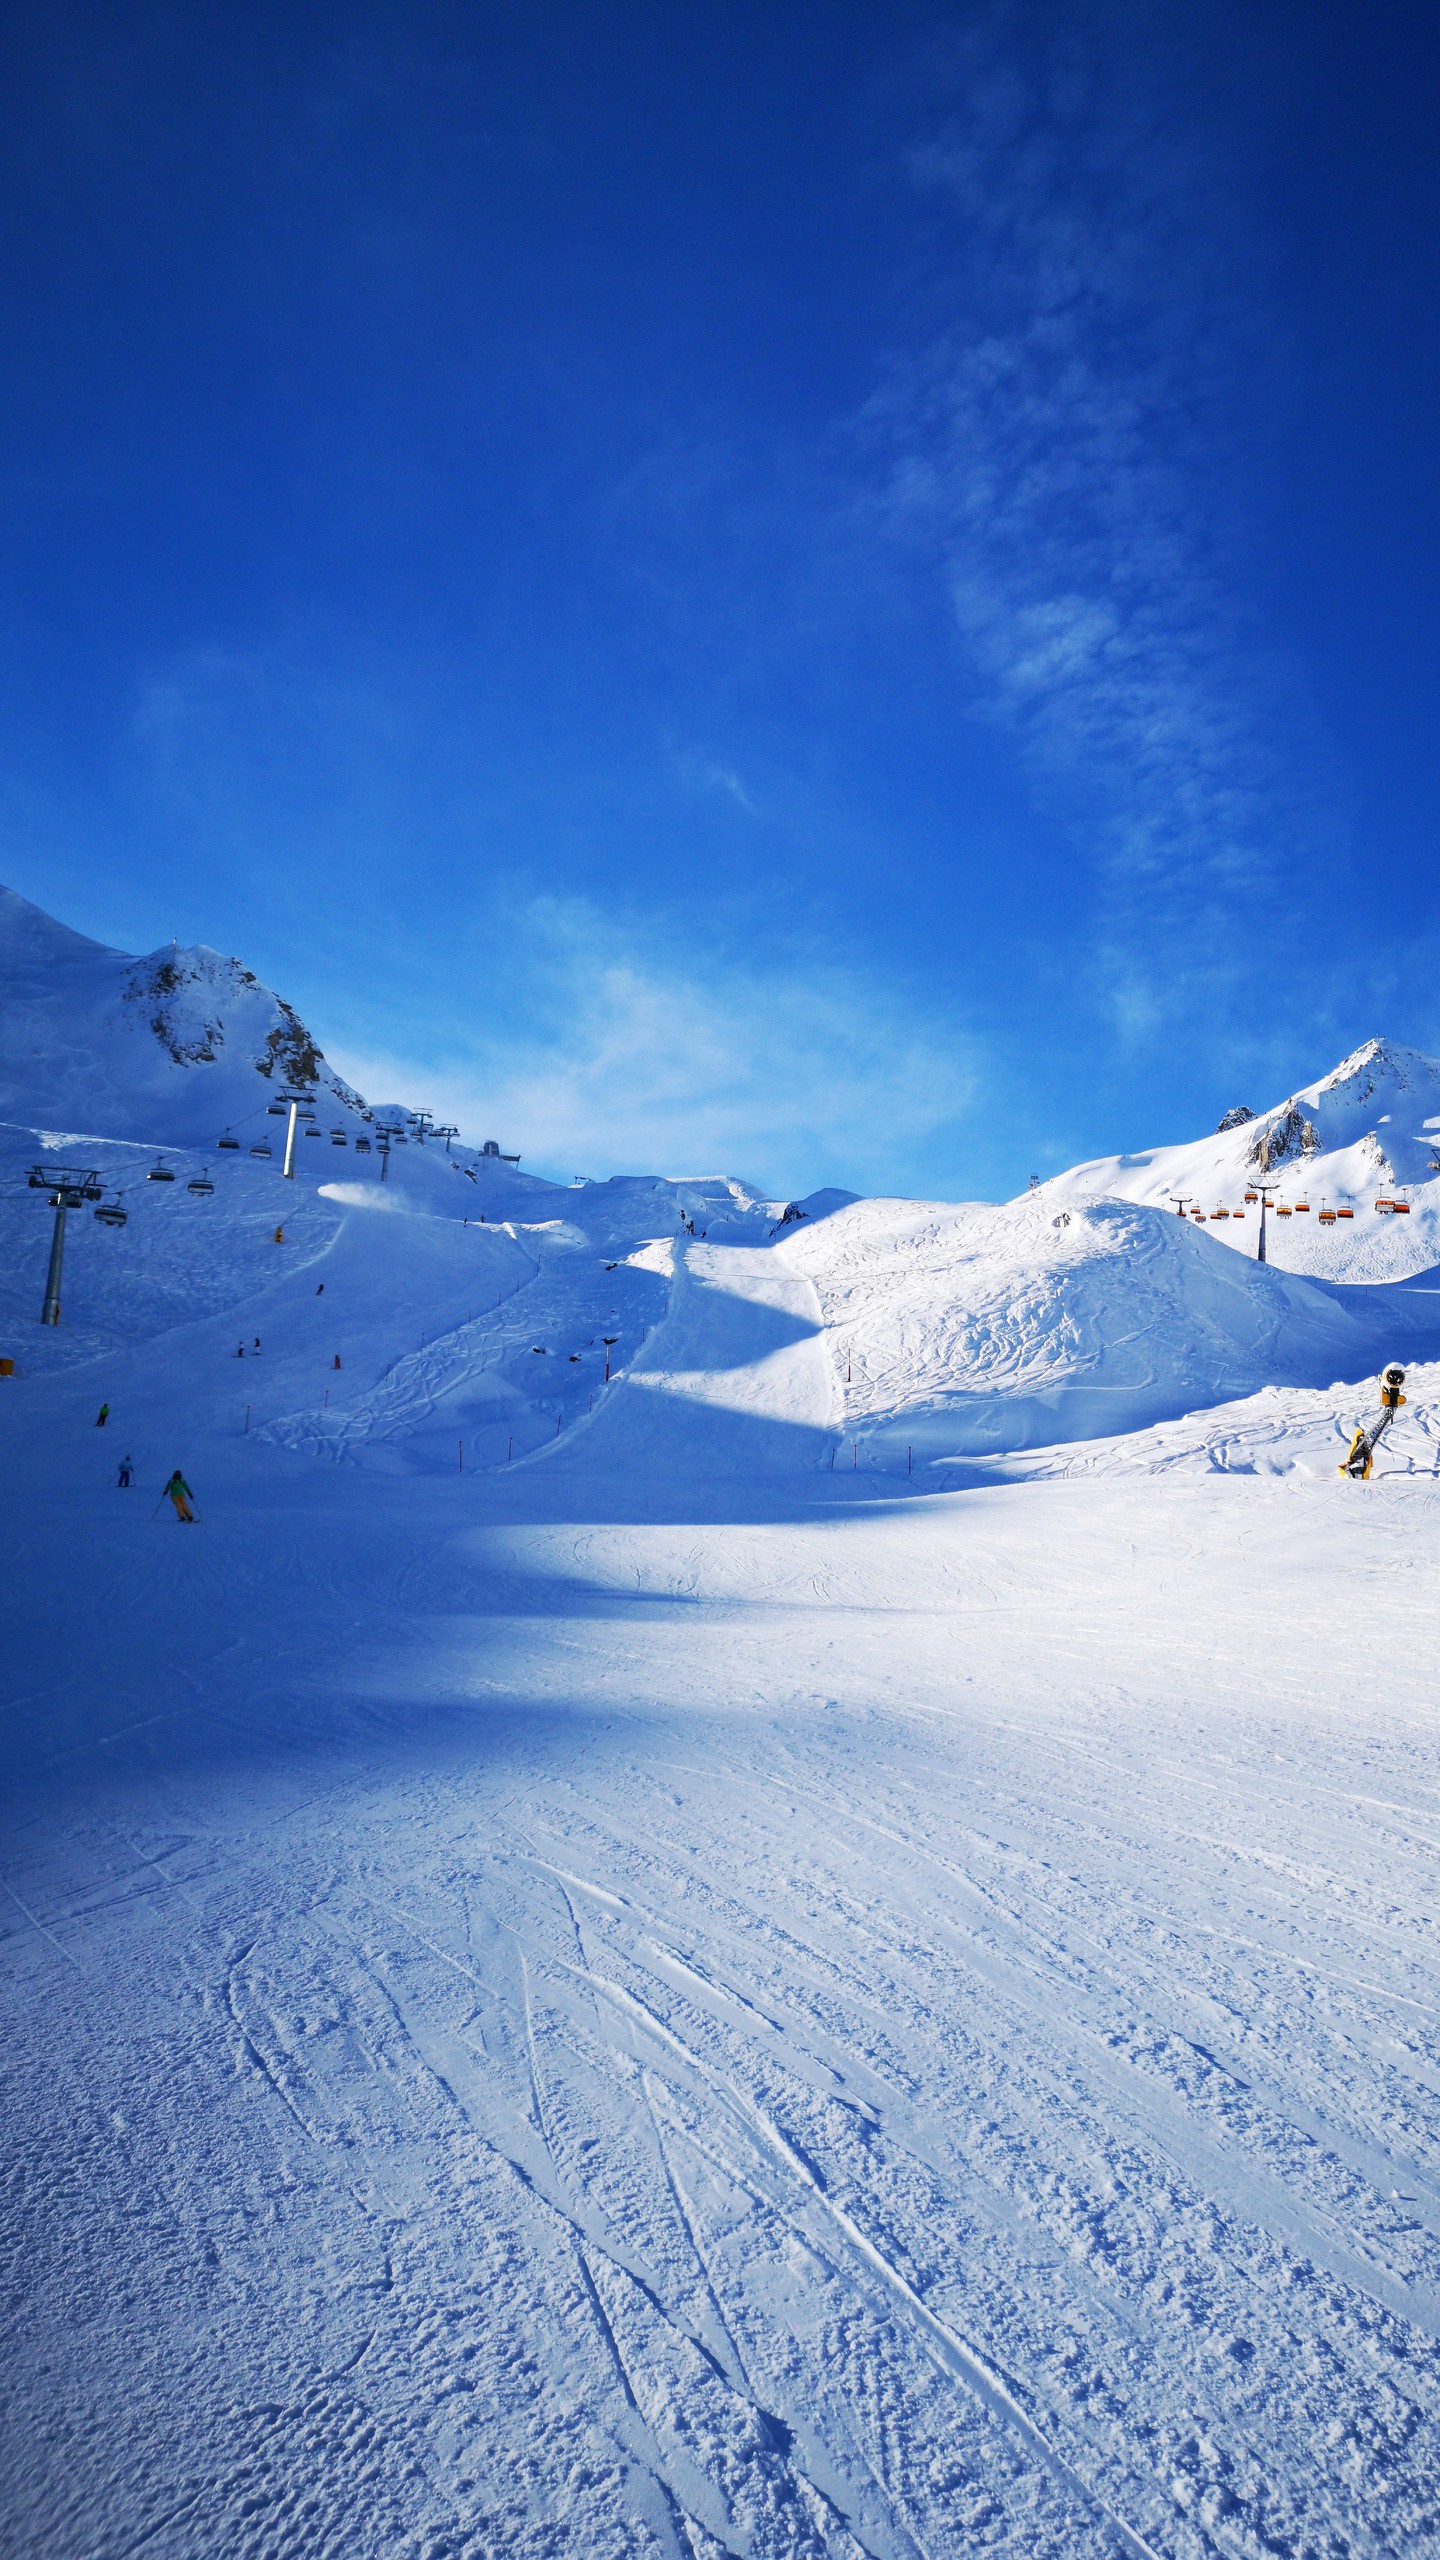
(666, 1999)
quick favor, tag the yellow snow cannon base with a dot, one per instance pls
(1348, 1466)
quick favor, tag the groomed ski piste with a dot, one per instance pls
(825, 1947)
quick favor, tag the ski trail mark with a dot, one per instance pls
(37, 1924)
(953, 2353)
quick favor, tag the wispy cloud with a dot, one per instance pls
(1066, 442)
(634, 1048)
(708, 773)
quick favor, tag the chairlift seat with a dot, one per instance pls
(1400, 1208)
(202, 1184)
(229, 1145)
(1327, 1217)
(276, 1110)
(112, 1217)
(261, 1150)
(1344, 1213)
(159, 1173)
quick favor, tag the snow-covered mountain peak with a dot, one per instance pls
(168, 1047)
(1337, 1152)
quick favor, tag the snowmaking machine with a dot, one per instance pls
(1368, 1436)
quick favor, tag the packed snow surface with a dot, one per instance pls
(825, 1947)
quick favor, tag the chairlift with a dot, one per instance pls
(276, 1110)
(1237, 1213)
(203, 1184)
(159, 1172)
(1250, 1198)
(1218, 1213)
(337, 1139)
(1302, 1208)
(362, 1146)
(1344, 1213)
(231, 1145)
(1400, 1208)
(312, 1133)
(1384, 1207)
(1282, 1211)
(110, 1214)
(1327, 1217)
(262, 1149)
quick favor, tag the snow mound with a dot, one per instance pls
(961, 1331)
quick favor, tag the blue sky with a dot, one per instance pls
(839, 593)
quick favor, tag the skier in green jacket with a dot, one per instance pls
(181, 1495)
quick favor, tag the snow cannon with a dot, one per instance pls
(1360, 1457)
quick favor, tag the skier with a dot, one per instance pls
(337, 1359)
(279, 1235)
(127, 1466)
(319, 1288)
(257, 1342)
(102, 1417)
(239, 1350)
(181, 1495)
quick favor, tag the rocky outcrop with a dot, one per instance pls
(1235, 1119)
(1284, 1136)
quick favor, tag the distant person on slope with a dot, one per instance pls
(181, 1495)
(127, 1469)
(102, 1417)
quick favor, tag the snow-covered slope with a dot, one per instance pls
(962, 1330)
(579, 1974)
(1368, 1131)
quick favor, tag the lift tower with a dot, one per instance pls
(298, 1102)
(68, 1190)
